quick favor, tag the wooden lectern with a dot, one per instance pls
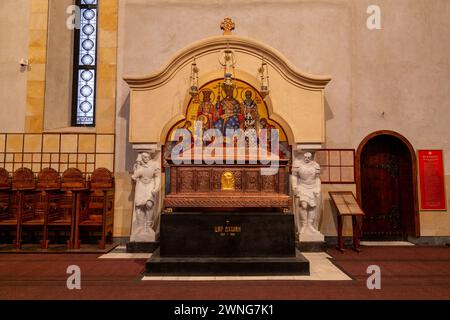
(346, 205)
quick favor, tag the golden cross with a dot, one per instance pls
(227, 26)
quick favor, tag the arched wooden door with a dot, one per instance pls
(387, 186)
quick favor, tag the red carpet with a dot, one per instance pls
(407, 273)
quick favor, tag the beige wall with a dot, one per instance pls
(58, 95)
(41, 95)
(37, 53)
(436, 223)
(59, 151)
(14, 35)
(292, 27)
(35, 102)
(58, 89)
(123, 207)
(328, 222)
(402, 70)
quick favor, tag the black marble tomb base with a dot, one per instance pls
(142, 247)
(214, 234)
(227, 243)
(226, 266)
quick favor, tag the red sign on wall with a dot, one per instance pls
(432, 183)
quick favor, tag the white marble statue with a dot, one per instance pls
(306, 186)
(147, 176)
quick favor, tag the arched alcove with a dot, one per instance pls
(250, 81)
(211, 116)
(159, 101)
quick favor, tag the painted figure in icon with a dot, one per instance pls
(206, 110)
(228, 111)
(251, 116)
(265, 136)
(188, 126)
(251, 119)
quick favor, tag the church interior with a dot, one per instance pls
(238, 149)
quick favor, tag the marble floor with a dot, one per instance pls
(386, 243)
(124, 255)
(321, 268)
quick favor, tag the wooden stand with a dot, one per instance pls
(346, 205)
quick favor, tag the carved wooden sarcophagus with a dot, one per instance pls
(228, 187)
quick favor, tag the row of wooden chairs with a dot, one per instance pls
(50, 202)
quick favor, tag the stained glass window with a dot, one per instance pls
(85, 64)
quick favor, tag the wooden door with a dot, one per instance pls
(386, 188)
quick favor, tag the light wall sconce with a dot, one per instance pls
(264, 76)
(24, 63)
(227, 60)
(194, 80)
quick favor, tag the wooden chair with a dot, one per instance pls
(73, 185)
(8, 220)
(49, 185)
(23, 202)
(99, 215)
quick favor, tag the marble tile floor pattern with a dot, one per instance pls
(408, 272)
(386, 243)
(321, 268)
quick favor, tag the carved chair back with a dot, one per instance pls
(5, 180)
(72, 179)
(23, 179)
(100, 205)
(101, 195)
(102, 179)
(25, 198)
(5, 185)
(49, 183)
(48, 178)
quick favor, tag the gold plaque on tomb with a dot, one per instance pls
(227, 181)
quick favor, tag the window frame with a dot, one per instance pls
(77, 66)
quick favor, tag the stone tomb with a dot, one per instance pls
(220, 243)
(226, 220)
